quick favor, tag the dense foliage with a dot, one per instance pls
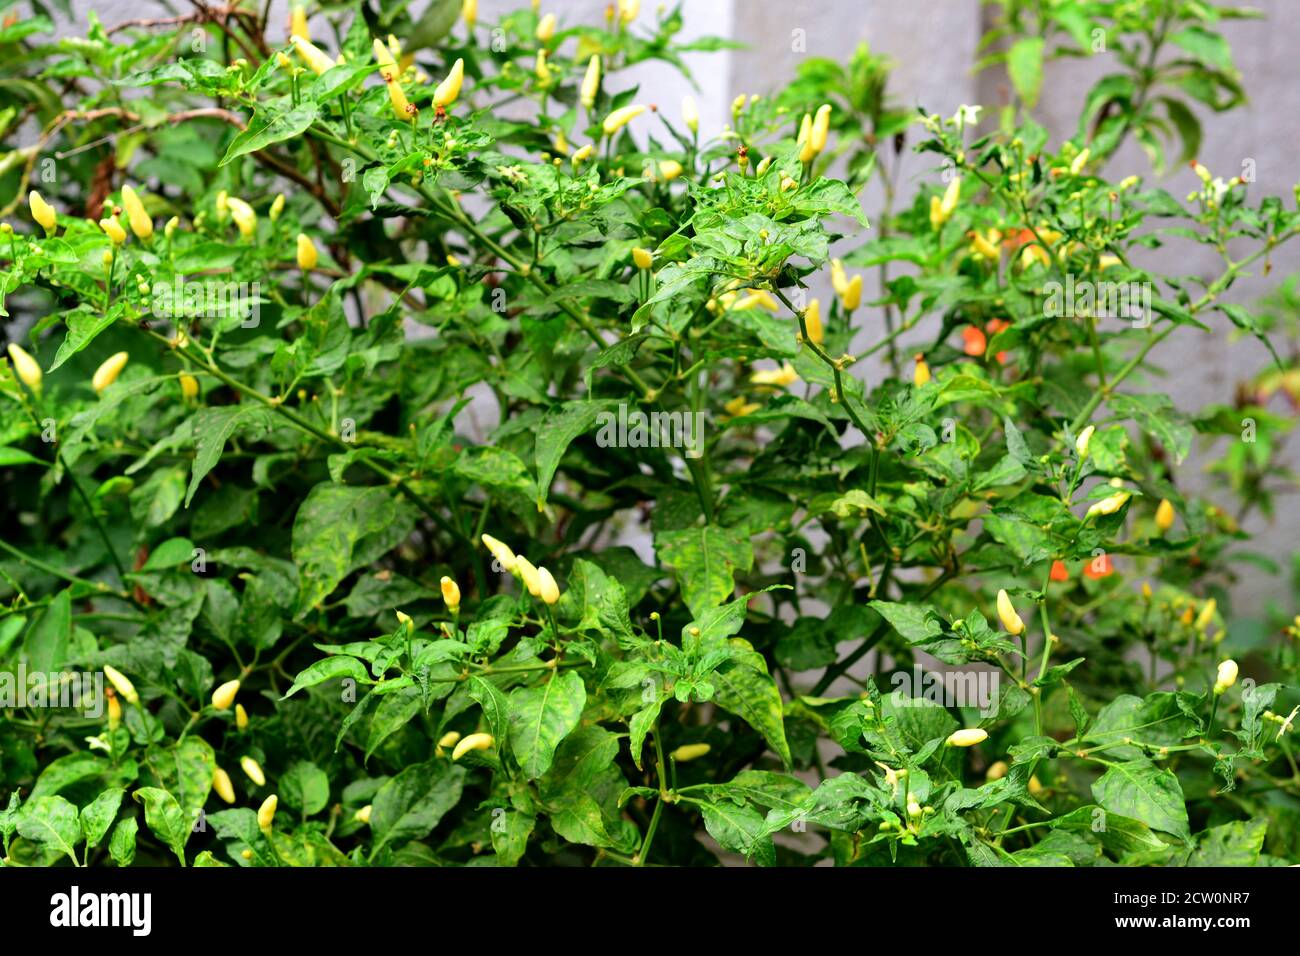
(371, 427)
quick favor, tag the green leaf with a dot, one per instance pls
(558, 429)
(411, 804)
(1140, 790)
(1242, 319)
(1118, 834)
(705, 561)
(752, 695)
(83, 327)
(582, 791)
(330, 668)
(394, 712)
(97, 816)
(1157, 415)
(16, 456)
(340, 528)
(641, 725)
(915, 623)
(739, 829)
(46, 644)
(51, 822)
(163, 815)
(270, 126)
(496, 708)
(1209, 48)
(434, 24)
(1238, 843)
(510, 832)
(304, 787)
(185, 769)
(1025, 67)
(121, 846)
(212, 428)
(540, 717)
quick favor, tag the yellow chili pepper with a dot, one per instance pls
(114, 711)
(628, 10)
(582, 154)
(805, 130)
(760, 299)
(688, 752)
(528, 574)
(1226, 676)
(298, 23)
(547, 589)
(1164, 515)
(839, 278)
(450, 593)
(951, 196)
(821, 126)
(384, 57)
(266, 813)
(1008, 616)
(241, 717)
(277, 207)
(505, 557)
(140, 222)
(967, 737)
(253, 769)
(472, 742)
(921, 373)
(983, 246)
(42, 212)
(1080, 161)
(224, 786)
(616, 120)
(113, 229)
(738, 407)
(26, 368)
(690, 114)
(812, 318)
(363, 815)
(446, 92)
(1109, 505)
(396, 96)
(469, 11)
(224, 695)
(1206, 617)
(852, 295)
(1082, 443)
(590, 82)
(312, 55)
(108, 371)
(307, 256)
(669, 169)
(170, 228)
(121, 684)
(996, 771)
(546, 28)
(643, 258)
(245, 218)
(779, 377)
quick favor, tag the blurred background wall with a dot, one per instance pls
(933, 44)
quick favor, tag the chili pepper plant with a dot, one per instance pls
(422, 446)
